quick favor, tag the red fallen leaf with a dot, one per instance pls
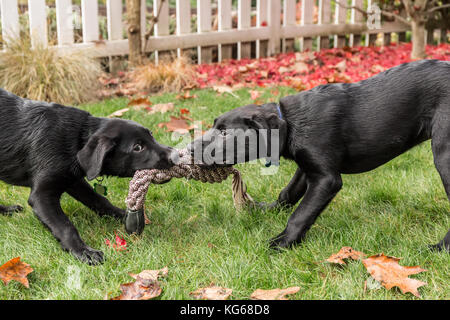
(389, 273)
(16, 270)
(255, 94)
(184, 111)
(345, 253)
(274, 294)
(119, 245)
(145, 287)
(212, 293)
(265, 72)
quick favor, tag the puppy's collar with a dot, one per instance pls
(279, 112)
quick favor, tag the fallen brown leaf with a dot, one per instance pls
(341, 66)
(139, 103)
(284, 69)
(345, 253)
(186, 95)
(16, 270)
(177, 124)
(274, 294)
(162, 108)
(224, 89)
(300, 67)
(119, 113)
(212, 293)
(145, 287)
(390, 274)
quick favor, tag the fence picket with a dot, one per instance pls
(244, 22)
(162, 26)
(274, 21)
(307, 18)
(324, 18)
(114, 18)
(356, 17)
(89, 15)
(289, 11)
(224, 23)
(261, 20)
(10, 19)
(183, 16)
(340, 16)
(204, 25)
(37, 11)
(64, 23)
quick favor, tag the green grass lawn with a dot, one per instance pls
(397, 209)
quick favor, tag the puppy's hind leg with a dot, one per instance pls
(440, 144)
(9, 210)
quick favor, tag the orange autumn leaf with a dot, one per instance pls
(139, 103)
(145, 287)
(186, 95)
(16, 270)
(390, 274)
(212, 293)
(345, 253)
(274, 294)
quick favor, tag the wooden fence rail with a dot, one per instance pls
(276, 27)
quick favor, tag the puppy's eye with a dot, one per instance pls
(138, 148)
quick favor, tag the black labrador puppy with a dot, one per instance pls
(342, 128)
(52, 148)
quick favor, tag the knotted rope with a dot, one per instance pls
(134, 221)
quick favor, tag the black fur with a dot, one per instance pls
(52, 148)
(350, 128)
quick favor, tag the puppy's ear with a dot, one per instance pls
(254, 122)
(272, 121)
(93, 154)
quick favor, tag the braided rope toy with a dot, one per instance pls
(139, 185)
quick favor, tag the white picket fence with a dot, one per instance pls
(275, 29)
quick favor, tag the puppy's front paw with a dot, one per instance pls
(280, 241)
(90, 256)
(11, 209)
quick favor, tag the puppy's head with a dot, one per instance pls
(244, 134)
(120, 148)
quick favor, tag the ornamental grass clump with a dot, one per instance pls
(43, 73)
(170, 75)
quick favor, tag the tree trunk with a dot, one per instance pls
(134, 31)
(418, 39)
